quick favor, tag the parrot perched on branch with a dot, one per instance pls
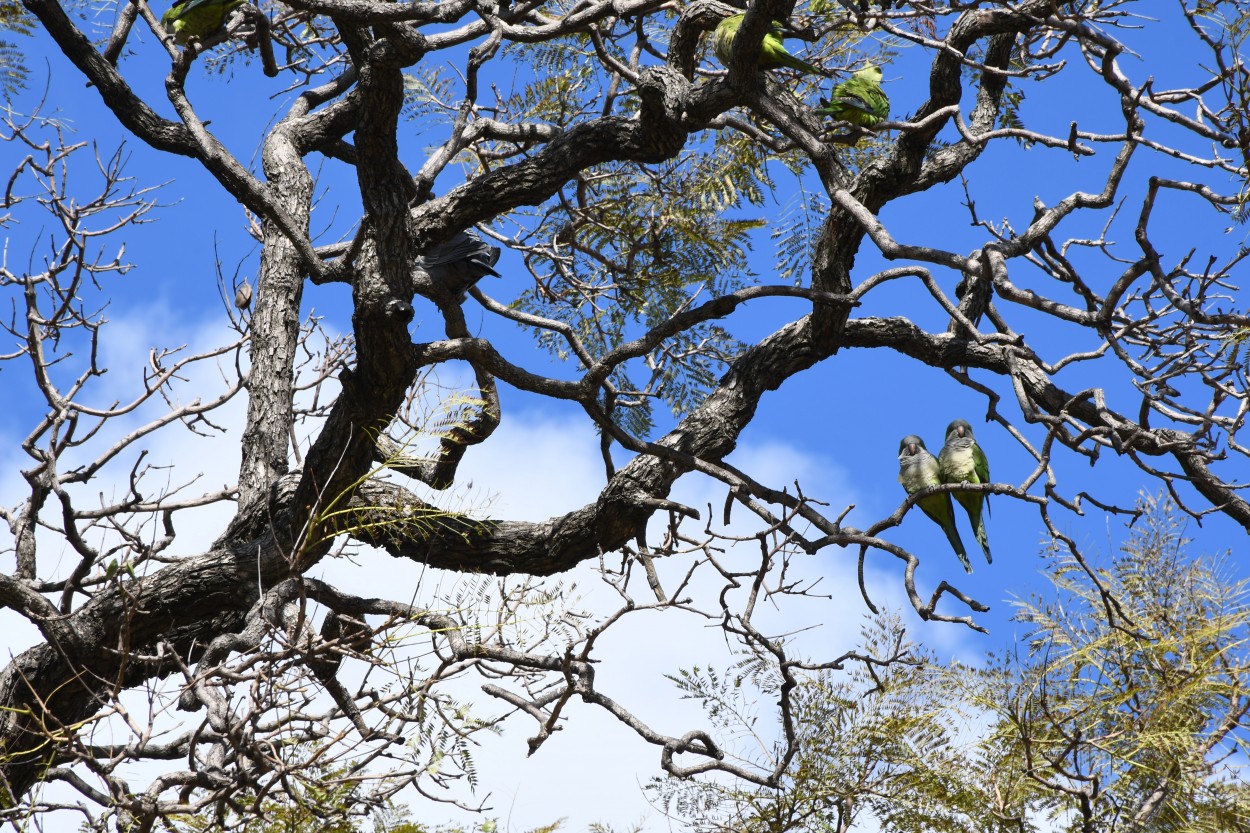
(859, 100)
(773, 52)
(243, 296)
(460, 262)
(197, 18)
(918, 470)
(962, 461)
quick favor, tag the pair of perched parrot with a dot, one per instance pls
(859, 100)
(189, 19)
(960, 461)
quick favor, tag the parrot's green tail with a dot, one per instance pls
(800, 64)
(984, 540)
(976, 505)
(957, 545)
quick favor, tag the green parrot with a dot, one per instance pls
(773, 52)
(859, 100)
(197, 18)
(962, 461)
(917, 470)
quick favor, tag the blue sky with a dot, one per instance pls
(836, 429)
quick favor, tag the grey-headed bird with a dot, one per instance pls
(961, 460)
(243, 296)
(918, 470)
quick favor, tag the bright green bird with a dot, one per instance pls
(917, 470)
(773, 52)
(962, 461)
(859, 100)
(197, 18)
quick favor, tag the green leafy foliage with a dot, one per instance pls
(427, 90)
(628, 246)
(794, 236)
(624, 247)
(14, 18)
(13, 70)
(1236, 342)
(1131, 701)
(879, 741)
